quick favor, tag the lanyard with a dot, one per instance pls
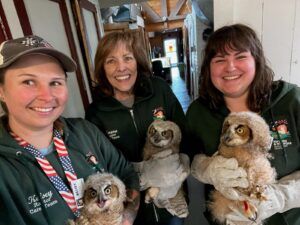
(55, 179)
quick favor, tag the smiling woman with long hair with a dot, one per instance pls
(124, 103)
(234, 78)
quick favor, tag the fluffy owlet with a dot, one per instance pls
(246, 137)
(104, 196)
(163, 139)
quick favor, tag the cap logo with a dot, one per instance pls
(29, 41)
(33, 41)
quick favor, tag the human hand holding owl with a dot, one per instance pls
(170, 168)
(282, 196)
(224, 174)
(246, 140)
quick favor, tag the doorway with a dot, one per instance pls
(170, 47)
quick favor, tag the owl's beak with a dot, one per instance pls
(156, 138)
(226, 138)
(101, 201)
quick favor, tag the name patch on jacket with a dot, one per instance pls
(34, 201)
(280, 133)
(113, 134)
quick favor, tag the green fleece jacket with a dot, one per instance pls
(282, 113)
(127, 127)
(26, 194)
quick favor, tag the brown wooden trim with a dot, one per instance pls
(92, 8)
(159, 27)
(4, 28)
(77, 7)
(71, 42)
(23, 17)
(179, 4)
(87, 5)
(116, 26)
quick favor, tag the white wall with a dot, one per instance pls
(196, 45)
(276, 22)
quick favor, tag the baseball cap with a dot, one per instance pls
(12, 50)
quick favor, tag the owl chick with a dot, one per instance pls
(163, 139)
(245, 137)
(104, 197)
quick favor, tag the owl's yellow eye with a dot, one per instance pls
(240, 130)
(93, 193)
(107, 190)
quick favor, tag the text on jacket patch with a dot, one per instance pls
(34, 201)
(113, 134)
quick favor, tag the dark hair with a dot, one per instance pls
(236, 37)
(133, 43)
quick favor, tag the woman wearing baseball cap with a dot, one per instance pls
(43, 156)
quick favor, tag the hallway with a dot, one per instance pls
(196, 189)
(179, 88)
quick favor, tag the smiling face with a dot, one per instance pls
(35, 92)
(233, 73)
(121, 71)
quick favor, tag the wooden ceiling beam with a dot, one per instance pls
(159, 27)
(175, 11)
(179, 17)
(152, 16)
(164, 9)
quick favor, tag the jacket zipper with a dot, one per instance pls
(132, 116)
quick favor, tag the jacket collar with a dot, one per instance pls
(10, 147)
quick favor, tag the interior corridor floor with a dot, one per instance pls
(179, 88)
(195, 188)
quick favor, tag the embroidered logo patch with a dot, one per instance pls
(280, 133)
(92, 160)
(158, 114)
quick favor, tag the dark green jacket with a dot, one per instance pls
(284, 110)
(26, 194)
(127, 128)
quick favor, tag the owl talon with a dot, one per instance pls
(249, 210)
(253, 219)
